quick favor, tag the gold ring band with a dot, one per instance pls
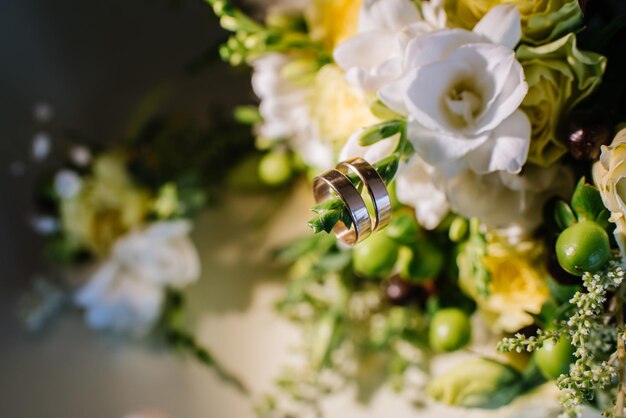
(375, 187)
(338, 182)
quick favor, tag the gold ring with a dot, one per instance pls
(343, 187)
(375, 187)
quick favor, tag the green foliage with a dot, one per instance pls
(592, 334)
(587, 203)
(178, 339)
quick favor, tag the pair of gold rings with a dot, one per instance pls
(336, 180)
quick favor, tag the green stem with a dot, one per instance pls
(184, 342)
(621, 353)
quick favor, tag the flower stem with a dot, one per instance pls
(621, 352)
(186, 343)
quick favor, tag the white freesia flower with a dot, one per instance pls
(462, 96)
(126, 292)
(374, 56)
(415, 186)
(504, 200)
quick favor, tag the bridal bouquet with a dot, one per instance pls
(469, 159)
(117, 222)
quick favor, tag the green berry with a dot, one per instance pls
(583, 247)
(450, 330)
(375, 257)
(275, 168)
(555, 357)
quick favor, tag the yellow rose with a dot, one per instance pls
(338, 108)
(609, 174)
(516, 287)
(333, 21)
(542, 20)
(106, 207)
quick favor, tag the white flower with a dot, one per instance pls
(462, 96)
(374, 56)
(415, 187)
(608, 175)
(126, 292)
(503, 200)
(67, 183)
(286, 112)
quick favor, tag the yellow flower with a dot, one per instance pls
(517, 288)
(106, 207)
(609, 174)
(542, 20)
(338, 108)
(333, 21)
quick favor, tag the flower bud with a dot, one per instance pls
(477, 383)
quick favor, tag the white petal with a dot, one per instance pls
(366, 50)
(392, 94)
(435, 46)
(506, 149)
(415, 187)
(439, 148)
(372, 153)
(502, 25)
(429, 85)
(389, 15)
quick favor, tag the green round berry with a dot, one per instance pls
(583, 247)
(375, 257)
(555, 357)
(275, 168)
(450, 330)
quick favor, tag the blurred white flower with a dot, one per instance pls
(40, 148)
(67, 183)
(285, 110)
(126, 292)
(80, 155)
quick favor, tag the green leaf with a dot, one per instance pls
(563, 215)
(387, 168)
(587, 203)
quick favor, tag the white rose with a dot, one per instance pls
(608, 175)
(462, 96)
(126, 292)
(373, 57)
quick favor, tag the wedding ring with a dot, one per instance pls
(375, 187)
(343, 187)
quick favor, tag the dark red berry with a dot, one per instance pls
(585, 132)
(400, 292)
